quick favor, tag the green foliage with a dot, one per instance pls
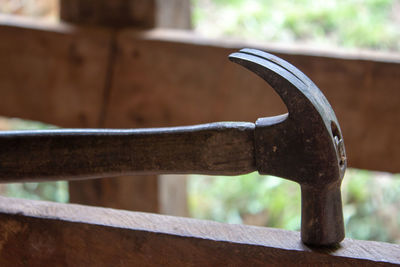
(371, 201)
(19, 124)
(372, 24)
(248, 197)
(51, 191)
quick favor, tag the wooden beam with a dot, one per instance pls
(53, 73)
(43, 233)
(125, 13)
(57, 73)
(109, 13)
(164, 78)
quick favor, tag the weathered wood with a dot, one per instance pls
(58, 73)
(140, 13)
(52, 73)
(125, 13)
(215, 148)
(182, 79)
(42, 233)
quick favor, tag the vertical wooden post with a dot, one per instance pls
(141, 193)
(111, 13)
(174, 14)
(172, 194)
(125, 13)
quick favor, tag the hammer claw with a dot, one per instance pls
(282, 63)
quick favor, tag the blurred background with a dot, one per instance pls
(371, 199)
(350, 24)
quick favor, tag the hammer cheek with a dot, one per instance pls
(301, 154)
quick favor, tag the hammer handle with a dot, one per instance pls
(217, 148)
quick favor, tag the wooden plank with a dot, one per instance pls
(164, 78)
(43, 233)
(52, 72)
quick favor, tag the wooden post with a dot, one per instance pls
(138, 192)
(172, 194)
(123, 13)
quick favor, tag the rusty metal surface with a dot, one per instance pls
(305, 146)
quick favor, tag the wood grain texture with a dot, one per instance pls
(40, 233)
(52, 73)
(128, 13)
(215, 148)
(183, 79)
(57, 73)
(140, 13)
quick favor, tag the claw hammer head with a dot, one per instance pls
(305, 145)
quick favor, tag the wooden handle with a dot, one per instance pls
(321, 215)
(215, 148)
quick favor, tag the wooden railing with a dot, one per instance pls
(37, 233)
(94, 76)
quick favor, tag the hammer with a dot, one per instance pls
(305, 145)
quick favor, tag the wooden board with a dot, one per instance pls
(164, 78)
(41, 233)
(52, 73)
